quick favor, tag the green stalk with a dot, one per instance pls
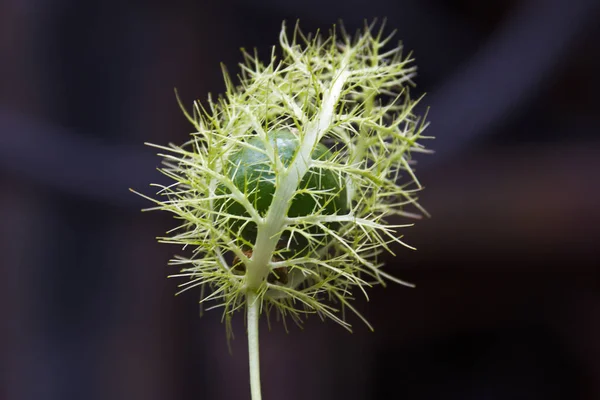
(270, 228)
(253, 354)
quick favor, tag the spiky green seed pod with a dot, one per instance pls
(295, 172)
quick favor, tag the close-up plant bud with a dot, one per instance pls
(285, 189)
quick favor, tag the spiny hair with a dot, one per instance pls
(350, 93)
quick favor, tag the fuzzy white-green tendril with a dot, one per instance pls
(347, 93)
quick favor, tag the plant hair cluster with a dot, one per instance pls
(348, 93)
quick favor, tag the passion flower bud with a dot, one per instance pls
(269, 215)
(274, 219)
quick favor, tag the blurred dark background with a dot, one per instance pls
(507, 304)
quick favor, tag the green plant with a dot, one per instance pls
(284, 190)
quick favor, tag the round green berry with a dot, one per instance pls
(251, 171)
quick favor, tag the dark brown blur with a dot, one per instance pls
(507, 303)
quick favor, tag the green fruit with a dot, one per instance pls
(252, 173)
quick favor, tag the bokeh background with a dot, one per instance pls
(507, 304)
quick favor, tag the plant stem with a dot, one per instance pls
(253, 307)
(270, 229)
